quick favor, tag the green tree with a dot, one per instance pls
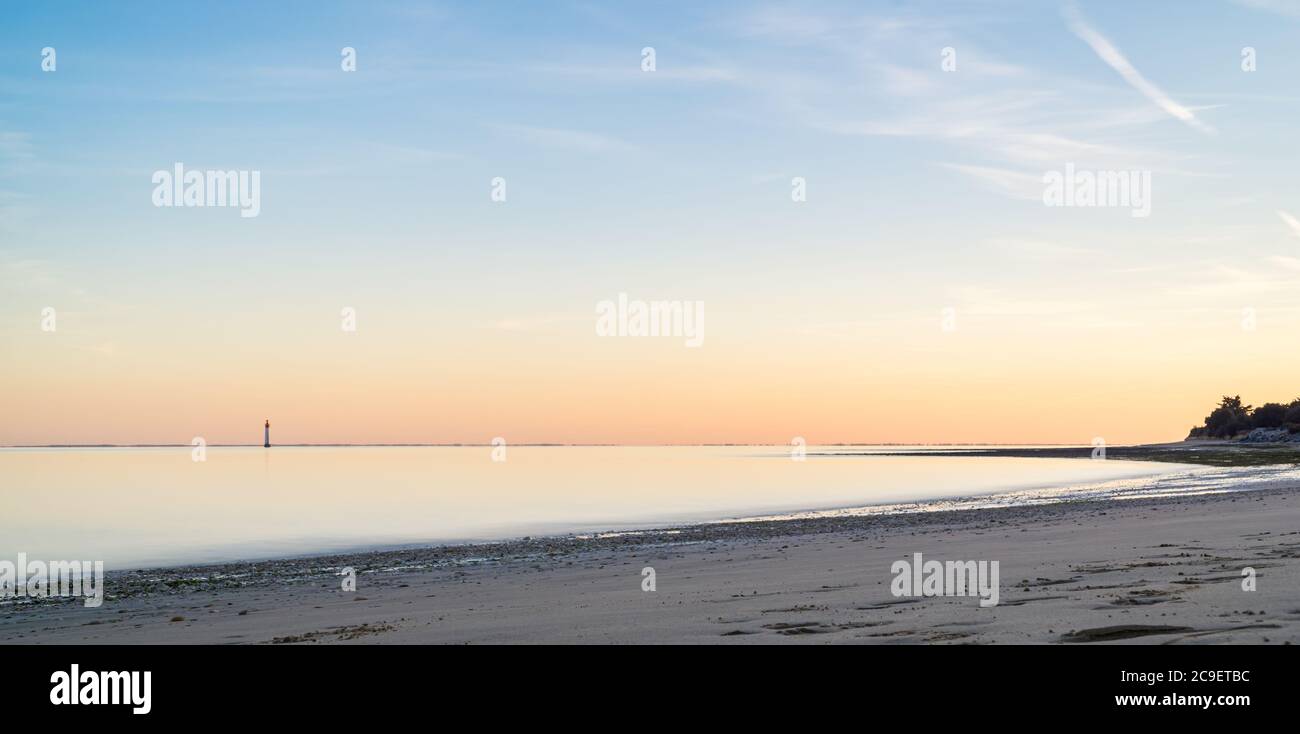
(1269, 415)
(1292, 418)
(1228, 419)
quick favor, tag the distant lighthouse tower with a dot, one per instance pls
(266, 434)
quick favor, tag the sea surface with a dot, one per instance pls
(142, 507)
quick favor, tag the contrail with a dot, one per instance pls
(1119, 63)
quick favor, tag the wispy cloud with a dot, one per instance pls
(15, 207)
(559, 138)
(1282, 7)
(983, 301)
(15, 145)
(409, 154)
(28, 272)
(632, 72)
(1291, 222)
(798, 27)
(1006, 123)
(532, 323)
(1013, 183)
(787, 26)
(1041, 249)
(902, 80)
(1290, 263)
(1229, 281)
(1117, 61)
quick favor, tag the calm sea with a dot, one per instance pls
(134, 507)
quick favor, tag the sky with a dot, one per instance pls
(921, 292)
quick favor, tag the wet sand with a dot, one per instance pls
(1205, 452)
(1130, 571)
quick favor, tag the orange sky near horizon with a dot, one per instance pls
(900, 382)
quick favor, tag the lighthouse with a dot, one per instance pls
(266, 434)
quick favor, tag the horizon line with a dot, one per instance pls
(533, 444)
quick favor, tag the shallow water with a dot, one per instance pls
(133, 507)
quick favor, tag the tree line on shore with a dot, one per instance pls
(1231, 418)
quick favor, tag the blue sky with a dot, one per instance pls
(923, 184)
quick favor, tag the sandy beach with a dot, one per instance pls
(1153, 571)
